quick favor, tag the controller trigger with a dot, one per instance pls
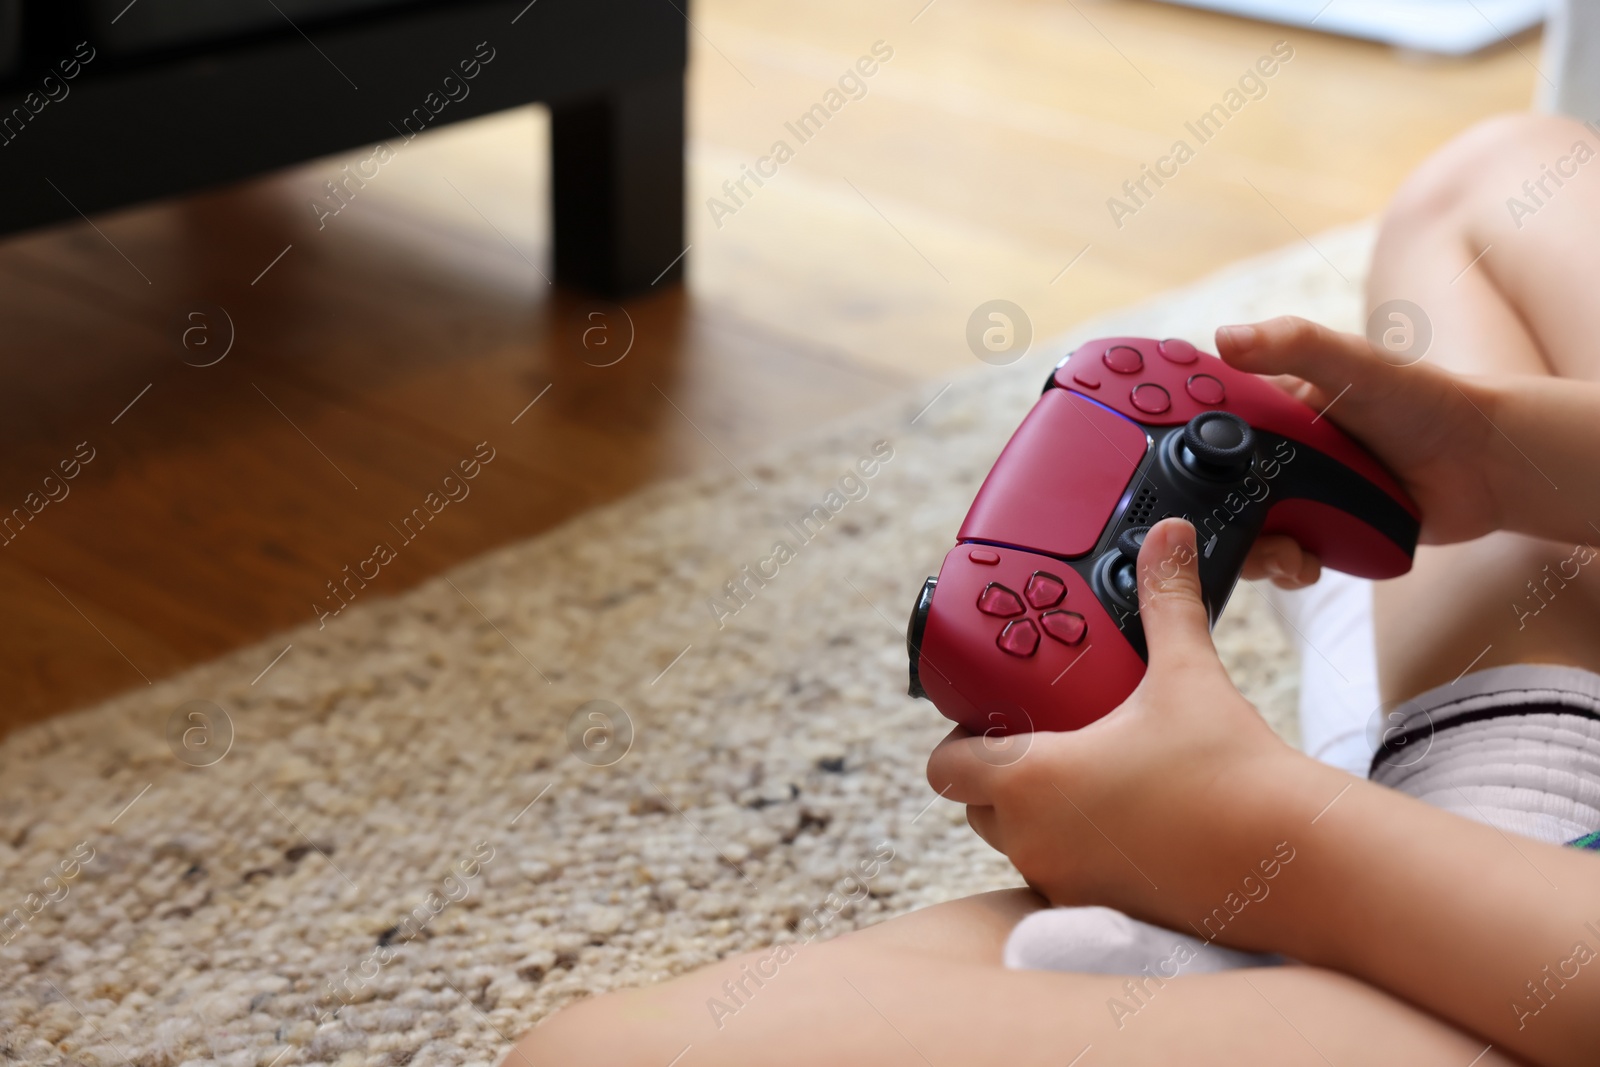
(915, 628)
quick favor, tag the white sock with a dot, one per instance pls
(1331, 625)
(1104, 941)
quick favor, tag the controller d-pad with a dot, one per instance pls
(1020, 638)
(1044, 590)
(1067, 627)
(999, 601)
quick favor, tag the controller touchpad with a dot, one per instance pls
(1057, 483)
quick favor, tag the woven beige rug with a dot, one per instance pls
(419, 838)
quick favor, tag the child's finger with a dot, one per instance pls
(1176, 627)
(1290, 345)
(957, 770)
(985, 822)
(1281, 559)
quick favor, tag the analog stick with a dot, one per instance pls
(1217, 445)
(1125, 583)
(1129, 542)
(1122, 573)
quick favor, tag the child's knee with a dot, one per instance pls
(1467, 181)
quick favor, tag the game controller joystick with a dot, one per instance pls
(1033, 621)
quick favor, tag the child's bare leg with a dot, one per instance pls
(928, 988)
(1524, 306)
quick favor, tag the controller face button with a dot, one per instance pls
(984, 556)
(999, 601)
(1206, 389)
(1044, 590)
(1067, 627)
(1150, 398)
(1177, 351)
(1086, 379)
(1123, 359)
(1019, 638)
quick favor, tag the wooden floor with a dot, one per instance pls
(371, 356)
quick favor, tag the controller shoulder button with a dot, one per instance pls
(1020, 638)
(1067, 627)
(1124, 359)
(986, 557)
(999, 601)
(1044, 590)
(1177, 351)
(1150, 398)
(1206, 388)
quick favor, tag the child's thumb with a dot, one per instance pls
(1176, 627)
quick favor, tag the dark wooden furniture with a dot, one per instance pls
(157, 112)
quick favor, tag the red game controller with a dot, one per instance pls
(1033, 621)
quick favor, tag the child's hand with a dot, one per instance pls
(1418, 419)
(1160, 807)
